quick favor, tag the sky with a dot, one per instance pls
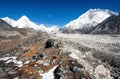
(53, 12)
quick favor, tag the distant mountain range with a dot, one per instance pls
(92, 21)
(24, 22)
(8, 31)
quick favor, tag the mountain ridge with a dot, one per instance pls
(25, 22)
(109, 26)
(88, 21)
(92, 17)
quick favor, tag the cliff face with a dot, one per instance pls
(110, 26)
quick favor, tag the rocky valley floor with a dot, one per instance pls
(99, 54)
(63, 56)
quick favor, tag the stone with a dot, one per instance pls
(40, 62)
(49, 43)
(25, 49)
(101, 72)
(1, 69)
(46, 62)
(66, 53)
(41, 71)
(34, 58)
(43, 56)
(12, 72)
(78, 70)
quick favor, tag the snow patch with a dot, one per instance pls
(26, 62)
(49, 74)
(12, 59)
(6, 58)
(16, 78)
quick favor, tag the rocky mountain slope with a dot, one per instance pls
(6, 30)
(11, 37)
(110, 26)
(5, 26)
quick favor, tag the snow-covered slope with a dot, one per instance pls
(25, 22)
(90, 18)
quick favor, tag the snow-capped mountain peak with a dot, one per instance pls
(90, 18)
(25, 22)
(24, 18)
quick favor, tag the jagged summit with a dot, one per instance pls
(104, 10)
(90, 18)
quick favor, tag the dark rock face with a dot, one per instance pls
(5, 26)
(109, 26)
(49, 43)
(6, 30)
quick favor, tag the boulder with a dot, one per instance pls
(102, 73)
(49, 43)
(47, 63)
(41, 55)
(34, 58)
(40, 62)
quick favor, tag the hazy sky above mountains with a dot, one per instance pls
(53, 12)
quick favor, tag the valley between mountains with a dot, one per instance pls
(85, 48)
